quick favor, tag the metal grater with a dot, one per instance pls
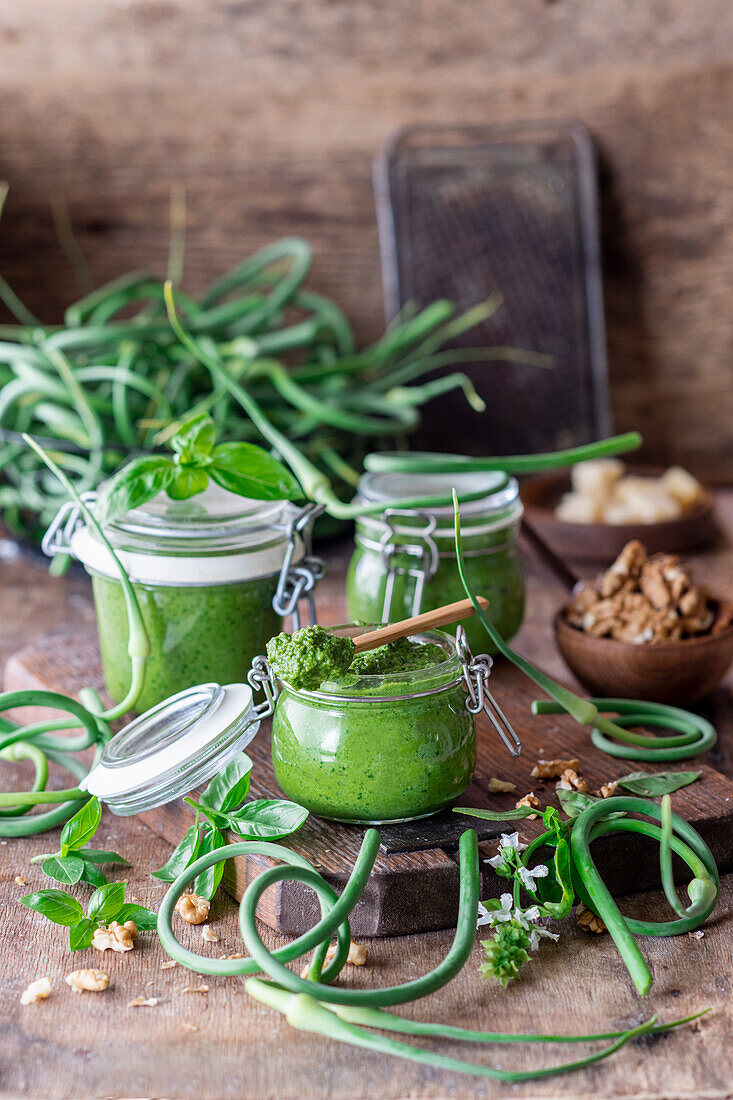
(464, 211)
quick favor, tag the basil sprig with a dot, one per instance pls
(105, 905)
(222, 806)
(241, 468)
(74, 862)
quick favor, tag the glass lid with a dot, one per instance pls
(172, 748)
(387, 487)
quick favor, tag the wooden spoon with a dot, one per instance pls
(429, 620)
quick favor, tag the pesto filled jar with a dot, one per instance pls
(405, 560)
(214, 575)
(385, 747)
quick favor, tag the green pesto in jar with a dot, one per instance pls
(198, 633)
(377, 748)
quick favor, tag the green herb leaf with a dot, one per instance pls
(105, 903)
(55, 905)
(92, 874)
(145, 919)
(187, 483)
(99, 855)
(66, 869)
(563, 866)
(194, 439)
(497, 815)
(268, 817)
(229, 788)
(134, 485)
(215, 817)
(250, 471)
(185, 853)
(574, 802)
(82, 934)
(208, 881)
(81, 827)
(657, 784)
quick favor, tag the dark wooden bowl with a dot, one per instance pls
(679, 673)
(602, 542)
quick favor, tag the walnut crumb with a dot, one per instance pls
(571, 781)
(19, 881)
(193, 909)
(209, 934)
(117, 937)
(608, 789)
(531, 801)
(236, 955)
(697, 934)
(195, 989)
(92, 980)
(143, 1002)
(588, 921)
(551, 769)
(36, 991)
(357, 956)
(501, 786)
(168, 965)
(189, 1027)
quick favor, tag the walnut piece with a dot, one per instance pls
(143, 1002)
(92, 980)
(531, 801)
(195, 988)
(36, 991)
(19, 880)
(608, 789)
(571, 781)
(500, 786)
(357, 956)
(168, 965)
(588, 921)
(209, 935)
(117, 937)
(551, 769)
(193, 909)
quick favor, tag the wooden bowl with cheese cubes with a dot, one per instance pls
(591, 514)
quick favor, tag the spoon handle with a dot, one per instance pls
(429, 620)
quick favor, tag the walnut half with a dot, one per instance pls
(92, 980)
(193, 909)
(118, 937)
(36, 991)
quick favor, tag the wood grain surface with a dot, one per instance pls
(271, 115)
(86, 1046)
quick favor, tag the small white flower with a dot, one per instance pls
(511, 840)
(537, 933)
(496, 861)
(492, 916)
(529, 874)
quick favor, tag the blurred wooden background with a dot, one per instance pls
(270, 114)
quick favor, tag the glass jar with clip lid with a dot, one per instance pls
(214, 575)
(405, 562)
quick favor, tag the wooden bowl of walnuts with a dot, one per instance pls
(645, 630)
(591, 514)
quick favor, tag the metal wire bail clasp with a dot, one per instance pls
(261, 678)
(57, 539)
(298, 581)
(423, 552)
(476, 673)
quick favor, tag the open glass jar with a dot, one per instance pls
(387, 748)
(214, 575)
(405, 560)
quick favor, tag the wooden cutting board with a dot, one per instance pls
(414, 884)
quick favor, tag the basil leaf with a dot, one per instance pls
(55, 905)
(98, 855)
(498, 815)
(268, 817)
(145, 919)
(187, 483)
(194, 439)
(92, 874)
(82, 934)
(81, 827)
(134, 485)
(105, 903)
(563, 866)
(67, 869)
(249, 471)
(185, 853)
(574, 802)
(207, 883)
(657, 784)
(229, 788)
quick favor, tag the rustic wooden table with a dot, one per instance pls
(206, 1039)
